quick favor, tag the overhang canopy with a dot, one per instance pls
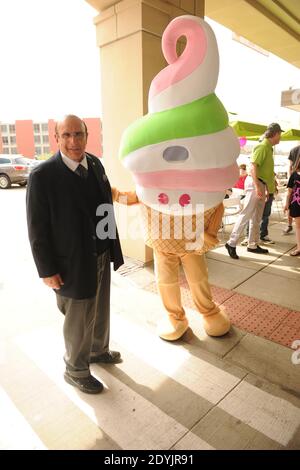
(273, 25)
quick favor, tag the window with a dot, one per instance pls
(4, 129)
(37, 139)
(38, 150)
(36, 128)
(4, 160)
(45, 128)
(45, 139)
(46, 150)
(12, 140)
(5, 140)
(12, 129)
(23, 160)
(14, 150)
(6, 150)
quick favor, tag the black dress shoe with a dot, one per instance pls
(109, 357)
(231, 251)
(84, 384)
(258, 250)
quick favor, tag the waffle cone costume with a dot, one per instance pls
(182, 155)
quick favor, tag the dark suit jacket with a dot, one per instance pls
(61, 230)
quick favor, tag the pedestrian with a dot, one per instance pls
(240, 184)
(294, 158)
(293, 204)
(73, 247)
(264, 224)
(258, 186)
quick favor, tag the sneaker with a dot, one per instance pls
(244, 242)
(287, 230)
(267, 240)
(258, 250)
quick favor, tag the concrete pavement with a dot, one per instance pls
(236, 392)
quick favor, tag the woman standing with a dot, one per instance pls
(293, 204)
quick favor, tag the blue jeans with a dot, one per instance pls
(265, 218)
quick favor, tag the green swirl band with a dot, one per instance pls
(200, 117)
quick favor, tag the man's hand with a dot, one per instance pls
(259, 192)
(127, 198)
(55, 282)
(253, 172)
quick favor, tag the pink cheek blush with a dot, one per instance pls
(184, 200)
(163, 198)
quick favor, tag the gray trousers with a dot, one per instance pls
(252, 213)
(86, 325)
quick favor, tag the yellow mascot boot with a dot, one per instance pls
(171, 329)
(217, 324)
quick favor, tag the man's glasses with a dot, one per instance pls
(77, 135)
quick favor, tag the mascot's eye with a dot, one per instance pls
(175, 154)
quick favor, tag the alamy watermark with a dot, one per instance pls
(176, 224)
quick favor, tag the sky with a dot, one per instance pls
(50, 66)
(50, 63)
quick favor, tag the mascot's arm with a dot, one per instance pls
(124, 197)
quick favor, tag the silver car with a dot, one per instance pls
(14, 169)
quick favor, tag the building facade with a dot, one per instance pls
(30, 138)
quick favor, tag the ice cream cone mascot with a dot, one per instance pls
(182, 155)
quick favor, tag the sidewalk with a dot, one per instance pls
(241, 391)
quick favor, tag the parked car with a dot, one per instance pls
(14, 169)
(31, 162)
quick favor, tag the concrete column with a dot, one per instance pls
(129, 37)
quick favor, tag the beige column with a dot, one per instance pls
(129, 37)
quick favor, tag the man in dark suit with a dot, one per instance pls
(72, 247)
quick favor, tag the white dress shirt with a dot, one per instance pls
(71, 164)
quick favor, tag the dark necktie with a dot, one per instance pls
(81, 171)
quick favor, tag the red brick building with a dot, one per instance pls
(31, 138)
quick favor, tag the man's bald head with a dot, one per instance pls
(71, 136)
(70, 117)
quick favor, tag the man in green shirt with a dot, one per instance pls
(258, 186)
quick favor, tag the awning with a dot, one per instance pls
(248, 129)
(273, 25)
(291, 134)
(253, 131)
